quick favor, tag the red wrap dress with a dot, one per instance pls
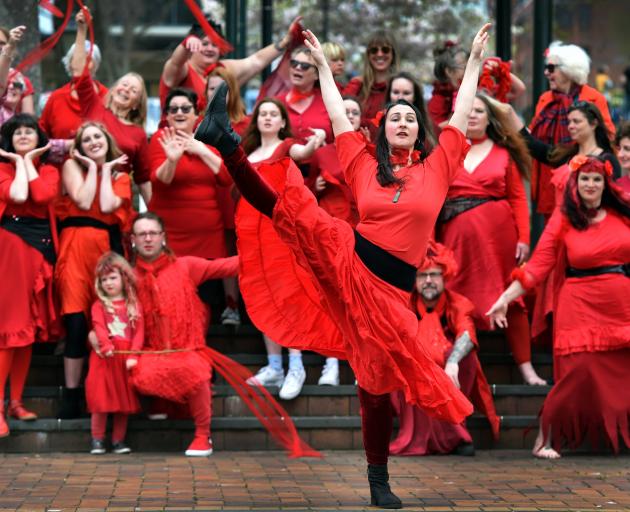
(189, 204)
(27, 303)
(591, 329)
(304, 284)
(418, 433)
(107, 386)
(484, 238)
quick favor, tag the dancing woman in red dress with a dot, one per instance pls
(362, 279)
(587, 243)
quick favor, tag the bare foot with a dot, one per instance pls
(530, 376)
(545, 453)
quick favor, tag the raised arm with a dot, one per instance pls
(331, 95)
(79, 56)
(7, 54)
(468, 87)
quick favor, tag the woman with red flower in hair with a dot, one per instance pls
(587, 242)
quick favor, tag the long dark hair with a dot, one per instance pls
(564, 152)
(19, 121)
(613, 196)
(384, 171)
(418, 101)
(252, 139)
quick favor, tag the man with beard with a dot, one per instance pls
(447, 329)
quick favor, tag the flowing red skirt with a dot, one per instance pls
(484, 242)
(107, 386)
(27, 308)
(590, 399)
(304, 286)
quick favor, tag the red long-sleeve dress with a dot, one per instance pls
(323, 297)
(189, 204)
(315, 116)
(107, 385)
(484, 238)
(418, 433)
(27, 303)
(591, 329)
(131, 139)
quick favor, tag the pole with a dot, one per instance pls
(267, 29)
(504, 29)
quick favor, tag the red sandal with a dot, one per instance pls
(17, 411)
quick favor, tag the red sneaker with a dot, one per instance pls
(4, 428)
(17, 411)
(200, 447)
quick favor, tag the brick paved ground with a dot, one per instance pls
(263, 481)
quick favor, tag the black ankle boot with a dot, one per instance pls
(216, 129)
(381, 493)
(70, 404)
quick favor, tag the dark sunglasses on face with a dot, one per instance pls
(550, 68)
(298, 64)
(184, 108)
(385, 50)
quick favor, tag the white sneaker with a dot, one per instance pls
(230, 316)
(292, 384)
(267, 376)
(330, 373)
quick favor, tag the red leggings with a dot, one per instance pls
(199, 402)
(119, 429)
(377, 419)
(14, 364)
(518, 334)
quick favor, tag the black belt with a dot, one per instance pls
(458, 205)
(384, 265)
(34, 232)
(598, 271)
(115, 237)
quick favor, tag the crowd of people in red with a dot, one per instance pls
(372, 228)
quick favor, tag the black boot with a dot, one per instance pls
(216, 129)
(70, 404)
(381, 493)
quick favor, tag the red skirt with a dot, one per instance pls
(590, 399)
(304, 286)
(484, 241)
(107, 386)
(171, 376)
(27, 306)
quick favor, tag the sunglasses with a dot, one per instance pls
(385, 50)
(550, 68)
(184, 108)
(298, 64)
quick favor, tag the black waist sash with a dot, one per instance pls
(598, 271)
(458, 205)
(115, 237)
(34, 232)
(384, 265)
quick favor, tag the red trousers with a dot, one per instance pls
(377, 419)
(518, 334)
(200, 404)
(119, 428)
(14, 365)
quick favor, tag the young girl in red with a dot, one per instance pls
(118, 324)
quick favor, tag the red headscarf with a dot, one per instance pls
(439, 255)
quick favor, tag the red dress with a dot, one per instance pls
(131, 139)
(81, 247)
(591, 329)
(418, 433)
(107, 386)
(61, 116)
(371, 105)
(189, 204)
(27, 302)
(315, 116)
(175, 319)
(440, 106)
(304, 284)
(484, 238)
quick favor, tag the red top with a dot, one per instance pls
(315, 116)
(192, 81)
(61, 116)
(281, 151)
(41, 192)
(372, 104)
(402, 228)
(116, 325)
(130, 138)
(624, 183)
(497, 177)
(440, 106)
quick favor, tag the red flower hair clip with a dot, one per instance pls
(608, 168)
(577, 161)
(376, 120)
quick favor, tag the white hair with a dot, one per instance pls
(572, 60)
(96, 57)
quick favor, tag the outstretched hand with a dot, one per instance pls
(480, 42)
(37, 152)
(498, 313)
(12, 157)
(15, 35)
(312, 43)
(116, 162)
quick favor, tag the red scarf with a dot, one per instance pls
(296, 96)
(401, 156)
(431, 331)
(551, 124)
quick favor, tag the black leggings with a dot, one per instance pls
(76, 335)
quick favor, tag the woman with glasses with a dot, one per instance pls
(381, 59)
(567, 68)
(93, 213)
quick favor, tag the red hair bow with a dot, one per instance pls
(608, 168)
(376, 120)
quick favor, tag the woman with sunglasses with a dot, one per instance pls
(16, 90)
(381, 59)
(353, 301)
(567, 68)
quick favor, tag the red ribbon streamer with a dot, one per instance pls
(46, 4)
(222, 44)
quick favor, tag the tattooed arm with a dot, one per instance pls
(463, 346)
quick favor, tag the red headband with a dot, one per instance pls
(579, 161)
